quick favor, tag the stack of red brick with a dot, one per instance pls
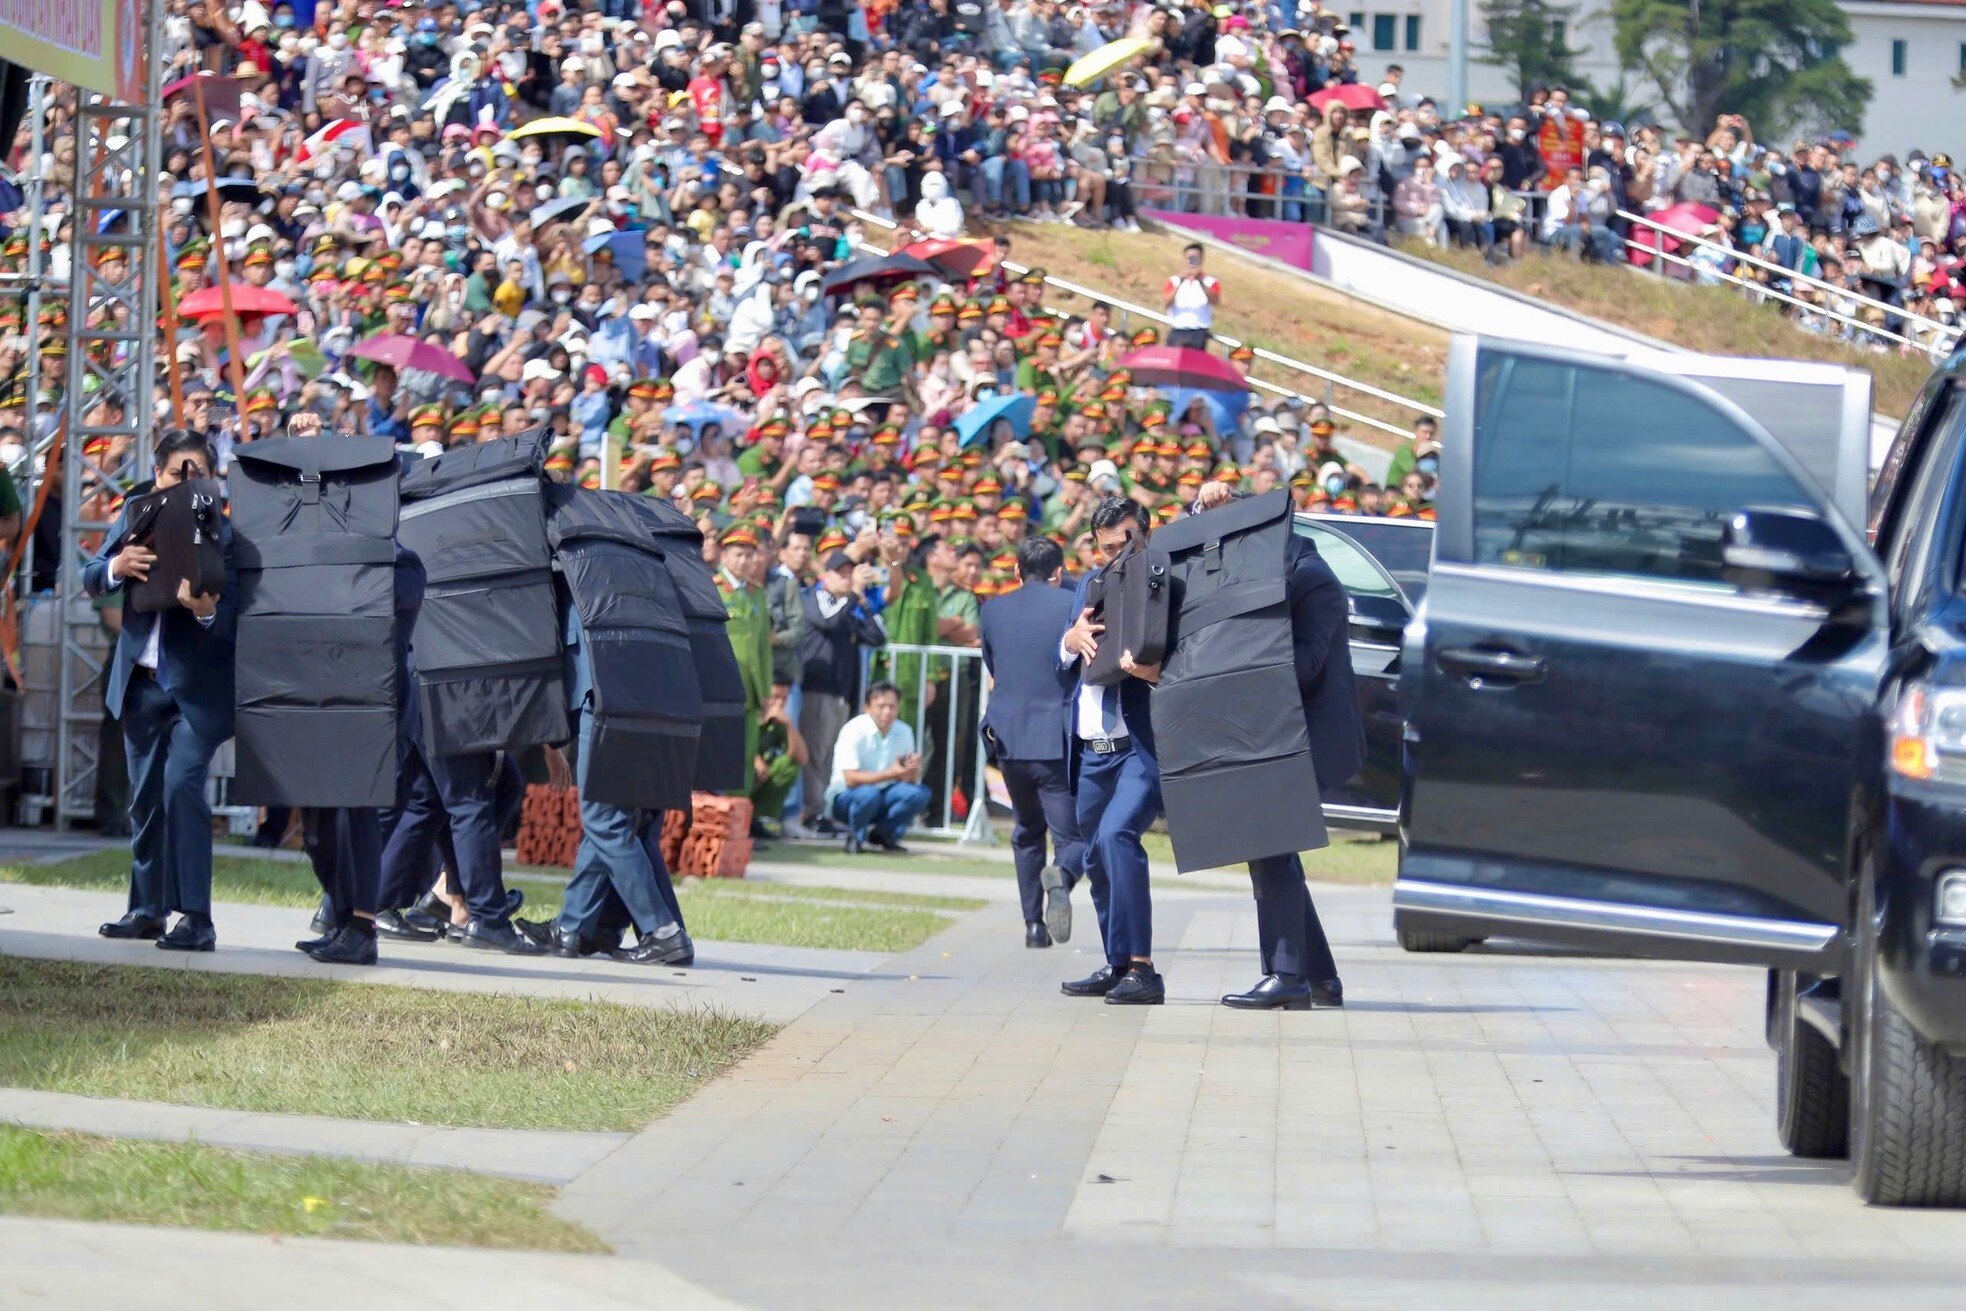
(549, 826)
(717, 844)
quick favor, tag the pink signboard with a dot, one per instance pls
(1289, 242)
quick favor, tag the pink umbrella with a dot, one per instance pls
(1352, 95)
(1688, 216)
(1181, 366)
(400, 352)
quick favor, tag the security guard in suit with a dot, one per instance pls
(171, 685)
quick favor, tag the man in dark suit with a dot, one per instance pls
(1026, 733)
(1118, 788)
(1298, 970)
(171, 686)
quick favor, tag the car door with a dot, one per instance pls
(1611, 740)
(1379, 615)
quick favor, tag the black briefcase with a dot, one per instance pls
(1130, 597)
(180, 524)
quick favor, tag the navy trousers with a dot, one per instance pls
(620, 858)
(170, 820)
(345, 848)
(455, 792)
(1287, 926)
(1119, 798)
(1041, 802)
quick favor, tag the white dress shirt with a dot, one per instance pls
(1089, 713)
(151, 653)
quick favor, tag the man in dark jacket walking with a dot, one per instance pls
(837, 625)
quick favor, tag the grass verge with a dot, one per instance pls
(1713, 320)
(356, 1051)
(719, 911)
(1356, 858)
(79, 1177)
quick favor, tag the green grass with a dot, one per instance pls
(717, 910)
(922, 858)
(356, 1051)
(1351, 858)
(77, 1177)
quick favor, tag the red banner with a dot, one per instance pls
(1289, 242)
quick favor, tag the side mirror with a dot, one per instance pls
(1378, 619)
(1767, 548)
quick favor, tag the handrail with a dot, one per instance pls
(1155, 316)
(1945, 332)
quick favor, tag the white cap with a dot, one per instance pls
(432, 228)
(1102, 471)
(1192, 89)
(1268, 424)
(667, 39)
(642, 311)
(1276, 105)
(952, 108)
(1018, 114)
(537, 369)
(348, 191)
(599, 228)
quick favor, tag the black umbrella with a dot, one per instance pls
(877, 272)
(246, 189)
(554, 210)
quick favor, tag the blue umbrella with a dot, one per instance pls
(974, 424)
(630, 253)
(697, 414)
(1225, 407)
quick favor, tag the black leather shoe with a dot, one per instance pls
(312, 945)
(500, 937)
(323, 922)
(556, 941)
(1139, 988)
(890, 845)
(134, 925)
(1057, 903)
(1277, 992)
(1327, 995)
(395, 924)
(351, 946)
(186, 936)
(671, 948)
(514, 899)
(1035, 936)
(1096, 984)
(854, 846)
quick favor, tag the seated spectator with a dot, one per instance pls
(876, 790)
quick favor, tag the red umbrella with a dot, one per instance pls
(1352, 95)
(400, 352)
(246, 299)
(1688, 216)
(1180, 366)
(955, 259)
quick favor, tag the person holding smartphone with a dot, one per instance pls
(1190, 299)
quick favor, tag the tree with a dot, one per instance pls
(1775, 62)
(1530, 38)
(1618, 103)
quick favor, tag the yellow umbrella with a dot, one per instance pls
(1092, 67)
(549, 127)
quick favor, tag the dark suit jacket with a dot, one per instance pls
(1320, 637)
(1136, 696)
(829, 647)
(197, 659)
(1027, 711)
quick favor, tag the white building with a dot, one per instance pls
(1910, 49)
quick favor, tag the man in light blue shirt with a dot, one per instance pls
(876, 788)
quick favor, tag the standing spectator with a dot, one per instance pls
(837, 625)
(1417, 205)
(1190, 299)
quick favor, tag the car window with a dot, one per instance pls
(1584, 469)
(1355, 569)
(1404, 549)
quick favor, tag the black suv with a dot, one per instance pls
(1664, 697)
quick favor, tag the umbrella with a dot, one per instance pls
(220, 94)
(555, 127)
(952, 258)
(1092, 67)
(401, 352)
(629, 250)
(337, 132)
(1688, 216)
(554, 210)
(973, 425)
(1352, 95)
(246, 299)
(246, 189)
(877, 271)
(698, 415)
(1180, 366)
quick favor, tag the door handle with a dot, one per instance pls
(1489, 665)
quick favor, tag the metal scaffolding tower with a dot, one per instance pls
(110, 392)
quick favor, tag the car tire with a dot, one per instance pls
(1812, 1093)
(1908, 1106)
(1423, 940)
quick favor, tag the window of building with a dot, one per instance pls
(1559, 34)
(1385, 27)
(1962, 56)
(1355, 21)
(1897, 59)
(1413, 31)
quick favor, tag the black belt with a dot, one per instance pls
(1106, 746)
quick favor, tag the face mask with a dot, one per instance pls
(338, 40)
(856, 117)
(591, 44)
(1335, 483)
(316, 196)
(531, 158)
(1516, 134)
(288, 45)
(283, 20)
(283, 268)
(400, 173)
(561, 295)
(308, 45)
(426, 38)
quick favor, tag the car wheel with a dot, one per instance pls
(1422, 940)
(1908, 1114)
(1812, 1093)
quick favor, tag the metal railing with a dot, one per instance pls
(1125, 311)
(947, 726)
